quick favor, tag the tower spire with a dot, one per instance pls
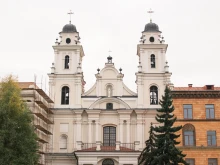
(150, 11)
(70, 13)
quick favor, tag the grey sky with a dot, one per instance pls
(190, 27)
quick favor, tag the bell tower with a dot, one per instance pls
(66, 78)
(153, 70)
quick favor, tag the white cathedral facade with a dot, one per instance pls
(109, 123)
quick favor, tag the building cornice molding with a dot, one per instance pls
(196, 94)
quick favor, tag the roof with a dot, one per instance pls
(195, 89)
(69, 28)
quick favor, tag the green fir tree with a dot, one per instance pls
(18, 143)
(165, 134)
(147, 155)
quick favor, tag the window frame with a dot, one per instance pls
(108, 107)
(209, 134)
(109, 140)
(152, 61)
(64, 138)
(64, 91)
(212, 161)
(153, 97)
(191, 161)
(66, 62)
(208, 109)
(189, 128)
(187, 109)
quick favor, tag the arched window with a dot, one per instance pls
(65, 95)
(109, 136)
(67, 60)
(153, 95)
(152, 61)
(108, 162)
(189, 135)
(109, 106)
(109, 91)
(63, 142)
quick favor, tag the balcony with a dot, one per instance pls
(99, 146)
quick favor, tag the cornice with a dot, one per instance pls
(196, 94)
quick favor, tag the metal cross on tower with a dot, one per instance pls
(150, 13)
(109, 52)
(70, 13)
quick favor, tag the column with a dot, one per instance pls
(121, 131)
(128, 132)
(97, 130)
(90, 132)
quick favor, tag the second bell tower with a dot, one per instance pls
(153, 70)
(66, 77)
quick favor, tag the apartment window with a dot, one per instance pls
(153, 95)
(187, 108)
(212, 161)
(63, 142)
(108, 162)
(210, 111)
(65, 95)
(190, 161)
(152, 61)
(109, 136)
(211, 138)
(188, 135)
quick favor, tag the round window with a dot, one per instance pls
(68, 40)
(151, 39)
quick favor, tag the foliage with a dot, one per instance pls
(18, 143)
(147, 155)
(164, 136)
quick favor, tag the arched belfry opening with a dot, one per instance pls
(152, 61)
(153, 95)
(66, 63)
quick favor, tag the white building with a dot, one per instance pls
(109, 123)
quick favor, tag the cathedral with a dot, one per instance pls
(109, 123)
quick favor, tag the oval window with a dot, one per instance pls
(151, 39)
(68, 40)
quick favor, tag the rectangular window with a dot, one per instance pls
(212, 161)
(187, 108)
(210, 111)
(211, 138)
(191, 161)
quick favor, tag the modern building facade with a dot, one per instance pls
(109, 123)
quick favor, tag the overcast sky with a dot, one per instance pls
(191, 29)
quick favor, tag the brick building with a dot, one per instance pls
(198, 111)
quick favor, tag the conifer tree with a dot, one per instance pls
(165, 134)
(147, 155)
(18, 143)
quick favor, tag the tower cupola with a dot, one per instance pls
(151, 27)
(69, 28)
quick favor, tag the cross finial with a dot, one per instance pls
(150, 12)
(109, 52)
(70, 13)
